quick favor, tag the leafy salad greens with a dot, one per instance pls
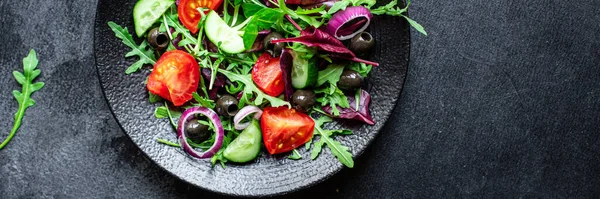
(237, 76)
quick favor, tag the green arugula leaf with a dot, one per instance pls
(362, 68)
(295, 155)
(250, 88)
(23, 97)
(337, 6)
(331, 74)
(310, 19)
(415, 25)
(187, 38)
(337, 149)
(161, 112)
(391, 10)
(203, 101)
(303, 51)
(334, 97)
(165, 112)
(153, 98)
(146, 55)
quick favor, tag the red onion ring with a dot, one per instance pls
(242, 113)
(342, 17)
(214, 118)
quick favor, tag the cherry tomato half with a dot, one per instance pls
(285, 129)
(267, 75)
(187, 10)
(175, 77)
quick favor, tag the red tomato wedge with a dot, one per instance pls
(285, 129)
(175, 77)
(267, 75)
(187, 10)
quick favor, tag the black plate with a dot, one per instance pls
(269, 175)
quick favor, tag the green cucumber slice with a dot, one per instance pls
(218, 31)
(304, 72)
(146, 12)
(246, 146)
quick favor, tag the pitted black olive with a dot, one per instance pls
(158, 40)
(362, 43)
(303, 99)
(350, 80)
(227, 105)
(196, 132)
(273, 49)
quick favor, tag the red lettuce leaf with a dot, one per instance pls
(312, 37)
(286, 62)
(219, 82)
(362, 114)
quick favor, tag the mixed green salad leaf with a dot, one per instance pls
(221, 68)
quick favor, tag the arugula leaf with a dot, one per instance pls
(203, 101)
(146, 55)
(362, 68)
(187, 38)
(331, 74)
(250, 88)
(337, 149)
(334, 97)
(165, 112)
(153, 98)
(295, 155)
(25, 79)
(303, 51)
(391, 10)
(340, 5)
(304, 15)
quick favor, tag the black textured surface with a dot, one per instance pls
(501, 100)
(268, 175)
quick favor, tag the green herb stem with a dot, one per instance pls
(170, 116)
(18, 118)
(166, 142)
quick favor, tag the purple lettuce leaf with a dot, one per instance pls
(286, 62)
(362, 114)
(219, 83)
(312, 37)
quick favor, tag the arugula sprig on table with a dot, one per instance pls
(23, 97)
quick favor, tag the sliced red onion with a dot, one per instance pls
(214, 118)
(340, 21)
(243, 113)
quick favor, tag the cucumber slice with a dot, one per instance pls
(218, 31)
(246, 146)
(146, 12)
(304, 72)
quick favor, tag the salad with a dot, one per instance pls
(236, 76)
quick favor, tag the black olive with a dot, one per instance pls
(362, 43)
(158, 40)
(350, 80)
(303, 99)
(227, 105)
(196, 132)
(273, 49)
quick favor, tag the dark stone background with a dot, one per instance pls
(501, 100)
